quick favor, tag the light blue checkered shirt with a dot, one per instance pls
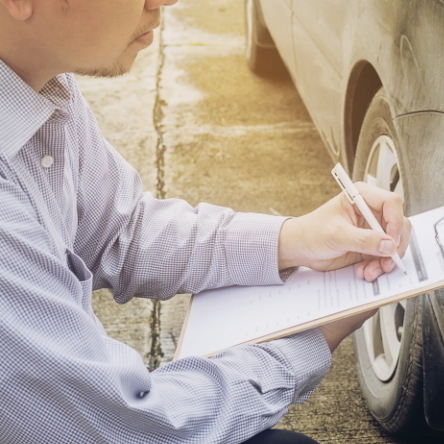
(73, 218)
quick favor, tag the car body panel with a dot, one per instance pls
(387, 35)
(396, 38)
(277, 16)
(326, 22)
(318, 76)
(421, 143)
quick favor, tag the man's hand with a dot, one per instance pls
(336, 235)
(336, 331)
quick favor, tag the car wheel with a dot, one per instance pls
(388, 347)
(261, 53)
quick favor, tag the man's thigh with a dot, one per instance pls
(274, 436)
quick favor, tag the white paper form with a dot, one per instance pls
(230, 316)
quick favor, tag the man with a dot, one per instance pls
(73, 218)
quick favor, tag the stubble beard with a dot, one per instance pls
(115, 70)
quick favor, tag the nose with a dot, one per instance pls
(155, 4)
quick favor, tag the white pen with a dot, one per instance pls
(354, 197)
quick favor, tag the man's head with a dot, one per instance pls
(42, 38)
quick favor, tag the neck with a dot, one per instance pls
(33, 75)
(19, 50)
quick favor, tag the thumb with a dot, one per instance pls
(366, 241)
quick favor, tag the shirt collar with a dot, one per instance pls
(23, 111)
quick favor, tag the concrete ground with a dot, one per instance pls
(197, 125)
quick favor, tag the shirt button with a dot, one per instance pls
(47, 161)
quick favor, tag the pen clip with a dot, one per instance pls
(349, 197)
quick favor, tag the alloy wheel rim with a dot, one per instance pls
(383, 332)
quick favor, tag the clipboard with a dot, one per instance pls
(219, 319)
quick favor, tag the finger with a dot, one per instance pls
(387, 264)
(389, 207)
(360, 269)
(405, 238)
(370, 270)
(365, 241)
(393, 218)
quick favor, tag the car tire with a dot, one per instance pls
(260, 51)
(393, 390)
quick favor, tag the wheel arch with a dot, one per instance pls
(364, 82)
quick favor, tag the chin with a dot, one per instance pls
(115, 70)
(119, 67)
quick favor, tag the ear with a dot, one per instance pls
(18, 9)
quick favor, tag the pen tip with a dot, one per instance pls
(405, 272)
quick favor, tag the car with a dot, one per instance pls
(370, 74)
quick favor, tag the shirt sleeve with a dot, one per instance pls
(137, 245)
(64, 380)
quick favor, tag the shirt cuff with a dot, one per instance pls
(252, 249)
(310, 357)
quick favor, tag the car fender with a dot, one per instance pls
(422, 153)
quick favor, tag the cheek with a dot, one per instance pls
(103, 29)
